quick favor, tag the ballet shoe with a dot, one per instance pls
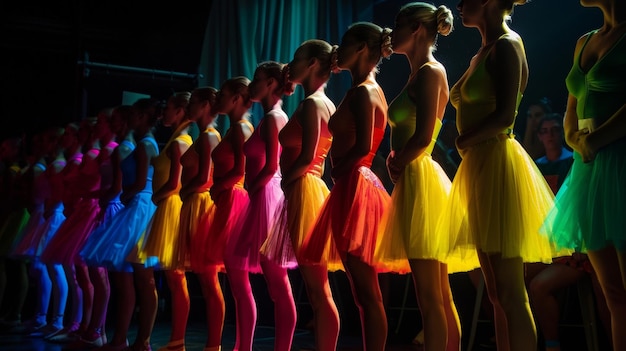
(66, 335)
(178, 345)
(45, 330)
(134, 347)
(110, 347)
(88, 340)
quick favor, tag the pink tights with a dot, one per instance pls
(284, 306)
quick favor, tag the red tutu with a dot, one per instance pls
(352, 214)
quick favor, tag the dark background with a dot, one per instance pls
(43, 44)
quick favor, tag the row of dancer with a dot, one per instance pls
(367, 230)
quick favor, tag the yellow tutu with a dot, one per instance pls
(497, 204)
(408, 229)
(196, 215)
(159, 247)
(304, 199)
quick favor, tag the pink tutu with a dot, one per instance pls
(243, 248)
(230, 206)
(65, 246)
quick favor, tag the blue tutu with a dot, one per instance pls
(117, 238)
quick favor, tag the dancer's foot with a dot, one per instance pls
(178, 345)
(67, 334)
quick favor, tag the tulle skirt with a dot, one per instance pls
(11, 230)
(31, 233)
(497, 204)
(116, 239)
(352, 214)
(113, 207)
(589, 211)
(49, 228)
(304, 199)
(409, 226)
(229, 209)
(244, 245)
(65, 246)
(159, 247)
(196, 216)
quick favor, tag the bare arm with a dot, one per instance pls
(505, 65)
(362, 108)
(240, 134)
(427, 92)
(310, 119)
(116, 184)
(610, 131)
(269, 133)
(142, 158)
(206, 143)
(174, 152)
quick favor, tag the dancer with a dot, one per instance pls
(422, 186)
(354, 208)
(589, 213)
(59, 251)
(305, 141)
(15, 217)
(231, 199)
(159, 247)
(36, 189)
(262, 179)
(497, 181)
(198, 209)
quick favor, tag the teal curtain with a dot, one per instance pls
(243, 33)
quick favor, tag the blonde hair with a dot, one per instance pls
(437, 20)
(509, 5)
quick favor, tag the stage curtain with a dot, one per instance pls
(243, 33)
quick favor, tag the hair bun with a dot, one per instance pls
(288, 86)
(444, 20)
(385, 43)
(333, 59)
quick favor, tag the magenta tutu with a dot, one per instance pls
(244, 245)
(66, 244)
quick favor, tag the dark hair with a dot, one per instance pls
(377, 39)
(153, 107)
(545, 104)
(277, 71)
(323, 52)
(555, 117)
(239, 86)
(180, 99)
(206, 93)
(124, 111)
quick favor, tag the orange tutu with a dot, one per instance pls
(352, 213)
(304, 199)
